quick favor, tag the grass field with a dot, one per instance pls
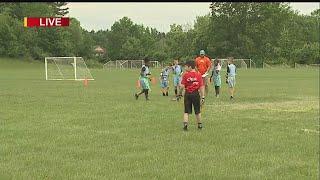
(63, 130)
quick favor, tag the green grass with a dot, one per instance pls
(63, 130)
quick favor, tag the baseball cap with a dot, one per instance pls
(202, 52)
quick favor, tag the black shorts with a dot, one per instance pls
(192, 99)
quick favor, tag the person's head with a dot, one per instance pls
(190, 65)
(202, 53)
(146, 61)
(230, 60)
(216, 61)
(176, 62)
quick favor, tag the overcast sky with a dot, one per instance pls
(102, 15)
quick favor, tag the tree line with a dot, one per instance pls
(264, 32)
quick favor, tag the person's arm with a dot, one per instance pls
(202, 95)
(209, 64)
(202, 91)
(211, 75)
(181, 71)
(182, 86)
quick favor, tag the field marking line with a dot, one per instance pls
(310, 130)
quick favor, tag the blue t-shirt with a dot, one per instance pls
(231, 69)
(164, 74)
(177, 70)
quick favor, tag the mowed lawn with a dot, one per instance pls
(63, 130)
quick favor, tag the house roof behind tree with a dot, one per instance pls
(99, 49)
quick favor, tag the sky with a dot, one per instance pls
(96, 16)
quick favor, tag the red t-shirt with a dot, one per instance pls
(192, 81)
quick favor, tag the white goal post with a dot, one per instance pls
(66, 68)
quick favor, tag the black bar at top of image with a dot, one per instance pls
(158, 1)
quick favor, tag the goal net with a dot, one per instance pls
(239, 63)
(314, 66)
(128, 64)
(274, 66)
(67, 68)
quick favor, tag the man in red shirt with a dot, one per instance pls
(203, 65)
(193, 84)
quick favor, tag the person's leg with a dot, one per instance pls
(138, 94)
(163, 90)
(146, 94)
(167, 91)
(232, 91)
(176, 91)
(205, 82)
(187, 111)
(175, 84)
(141, 92)
(185, 121)
(197, 109)
(232, 84)
(216, 90)
(198, 118)
(166, 88)
(143, 86)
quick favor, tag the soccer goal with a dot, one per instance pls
(239, 63)
(309, 66)
(128, 64)
(66, 68)
(275, 66)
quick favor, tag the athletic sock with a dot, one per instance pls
(167, 94)
(185, 126)
(199, 125)
(176, 92)
(163, 94)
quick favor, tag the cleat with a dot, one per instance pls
(185, 128)
(136, 96)
(200, 126)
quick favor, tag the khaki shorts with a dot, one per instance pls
(231, 82)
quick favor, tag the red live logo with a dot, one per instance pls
(46, 21)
